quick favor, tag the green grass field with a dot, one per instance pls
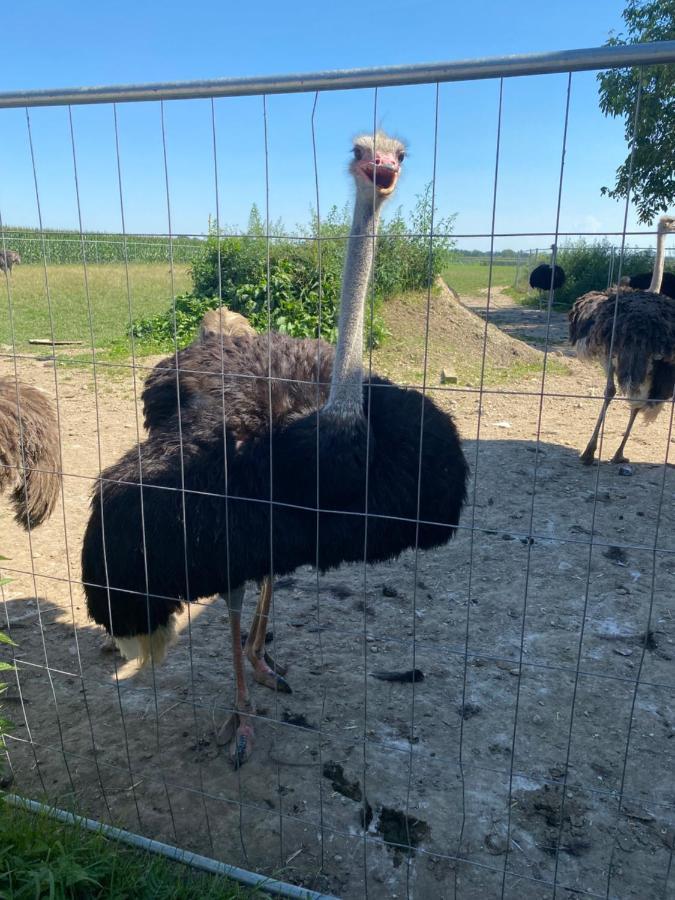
(150, 289)
(469, 278)
(42, 858)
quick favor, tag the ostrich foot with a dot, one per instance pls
(587, 458)
(267, 672)
(619, 458)
(238, 733)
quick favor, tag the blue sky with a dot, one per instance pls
(46, 45)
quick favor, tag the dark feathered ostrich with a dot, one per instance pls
(216, 324)
(643, 350)
(231, 504)
(29, 452)
(643, 281)
(542, 276)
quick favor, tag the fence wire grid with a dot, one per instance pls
(535, 758)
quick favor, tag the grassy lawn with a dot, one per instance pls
(42, 858)
(149, 283)
(469, 278)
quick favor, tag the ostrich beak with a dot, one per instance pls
(383, 171)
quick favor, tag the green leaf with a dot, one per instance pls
(4, 639)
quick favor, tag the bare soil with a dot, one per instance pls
(539, 744)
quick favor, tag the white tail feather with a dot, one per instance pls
(148, 647)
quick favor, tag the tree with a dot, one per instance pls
(653, 179)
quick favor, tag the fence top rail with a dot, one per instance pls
(384, 76)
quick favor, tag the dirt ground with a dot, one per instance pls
(539, 745)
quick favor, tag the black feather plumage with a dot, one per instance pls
(230, 473)
(540, 277)
(642, 281)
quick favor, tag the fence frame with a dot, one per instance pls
(565, 61)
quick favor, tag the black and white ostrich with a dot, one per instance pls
(233, 497)
(29, 452)
(643, 347)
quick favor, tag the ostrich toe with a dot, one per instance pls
(238, 733)
(267, 672)
(620, 458)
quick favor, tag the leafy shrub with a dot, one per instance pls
(292, 285)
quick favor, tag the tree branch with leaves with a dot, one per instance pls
(650, 140)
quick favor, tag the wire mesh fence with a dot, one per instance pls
(490, 716)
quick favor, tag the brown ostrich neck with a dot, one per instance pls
(346, 390)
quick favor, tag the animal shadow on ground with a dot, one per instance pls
(501, 618)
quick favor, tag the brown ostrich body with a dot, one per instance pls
(632, 334)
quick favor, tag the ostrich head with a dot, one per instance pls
(375, 168)
(377, 164)
(666, 225)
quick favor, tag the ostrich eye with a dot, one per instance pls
(401, 155)
(358, 153)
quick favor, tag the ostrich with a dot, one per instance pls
(541, 276)
(8, 258)
(29, 452)
(223, 321)
(311, 465)
(644, 279)
(643, 346)
(219, 323)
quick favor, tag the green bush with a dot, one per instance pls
(292, 285)
(587, 267)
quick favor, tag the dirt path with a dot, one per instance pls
(520, 622)
(533, 326)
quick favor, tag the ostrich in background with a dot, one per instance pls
(231, 504)
(29, 452)
(644, 279)
(642, 351)
(9, 258)
(544, 277)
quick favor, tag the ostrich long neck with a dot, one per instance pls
(346, 389)
(659, 263)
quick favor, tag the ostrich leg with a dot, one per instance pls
(265, 670)
(618, 456)
(238, 729)
(588, 455)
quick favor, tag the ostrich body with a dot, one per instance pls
(542, 275)
(643, 350)
(29, 452)
(8, 258)
(160, 406)
(301, 425)
(643, 280)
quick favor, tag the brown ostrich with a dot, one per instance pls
(639, 350)
(29, 452)
(8, 258)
